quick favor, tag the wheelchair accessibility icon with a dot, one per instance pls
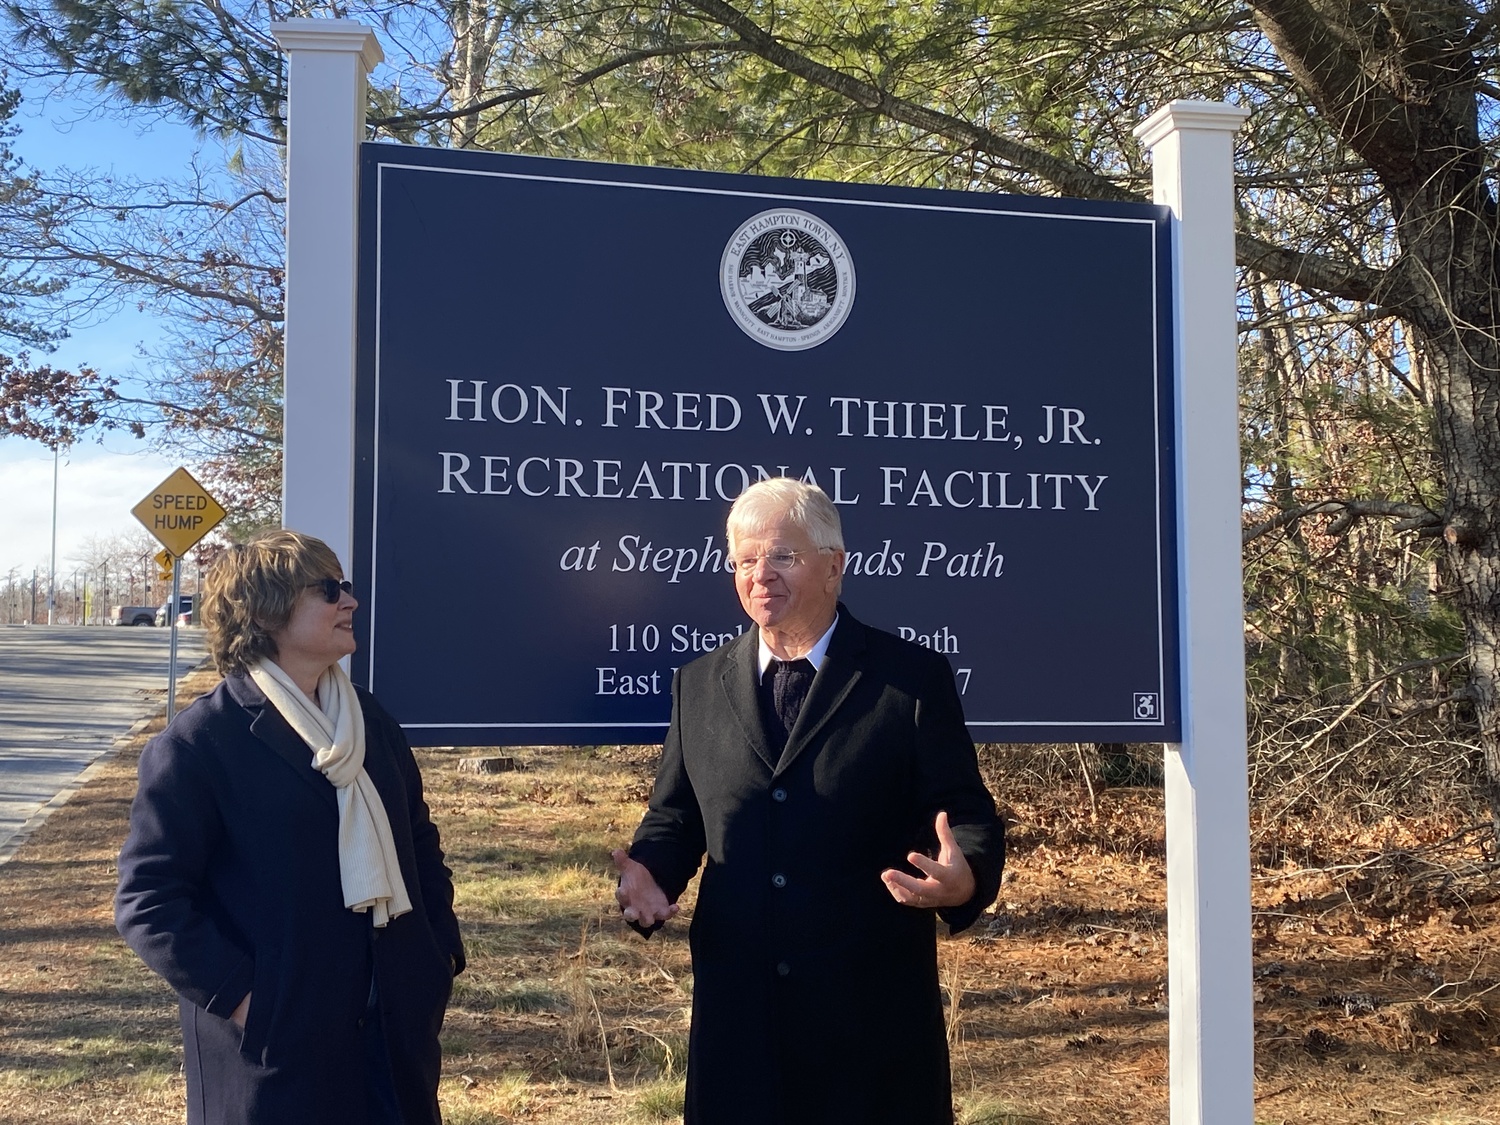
(1145, 705)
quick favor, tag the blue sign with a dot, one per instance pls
(568, 371)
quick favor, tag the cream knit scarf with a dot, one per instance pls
(334, 729)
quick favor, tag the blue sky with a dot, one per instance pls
(97, 484)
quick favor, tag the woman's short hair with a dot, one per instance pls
(251, 589)
(775, 500)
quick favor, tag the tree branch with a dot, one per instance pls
(1408, 517)
(1401, 96)
(1312, 43)
(203, 414)
(627, 59)
(1066, 176)
(163, 281)
(1337, 277)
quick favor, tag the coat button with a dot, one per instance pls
(778, 880)
(778, 794)
(783, 969)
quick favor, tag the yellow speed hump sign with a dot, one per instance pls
(179, 512)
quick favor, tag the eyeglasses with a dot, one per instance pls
(332, 589)
(776, 560)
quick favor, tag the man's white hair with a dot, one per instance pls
(777, 500)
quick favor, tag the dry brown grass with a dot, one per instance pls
(1376, 985)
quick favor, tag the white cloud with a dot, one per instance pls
(95, 491)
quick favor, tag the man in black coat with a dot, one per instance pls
(825, 770)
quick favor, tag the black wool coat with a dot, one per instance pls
(229, 883)
(815, 994)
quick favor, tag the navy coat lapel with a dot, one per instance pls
(830, 687)
(277, 734)
(741, 683)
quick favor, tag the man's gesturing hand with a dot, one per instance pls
(949, 880)
(641, 900)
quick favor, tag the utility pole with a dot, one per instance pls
(52, 567)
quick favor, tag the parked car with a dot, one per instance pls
(132, 615)
(164, 614)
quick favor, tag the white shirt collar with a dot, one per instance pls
(814, 655)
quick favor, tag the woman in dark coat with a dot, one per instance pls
(282, 873)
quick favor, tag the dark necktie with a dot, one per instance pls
(790, 681)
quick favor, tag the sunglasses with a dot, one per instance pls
(332, 589)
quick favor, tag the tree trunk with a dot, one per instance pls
(1403, 87)
(474, 28)
(1448, 230)
(1468, 411)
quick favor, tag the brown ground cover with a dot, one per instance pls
(1377, 964)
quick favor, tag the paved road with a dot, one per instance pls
(66, 693)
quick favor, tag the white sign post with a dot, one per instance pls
(1208, 870)
(328, 61)
(1208, 815)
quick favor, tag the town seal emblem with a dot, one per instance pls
(787, 279)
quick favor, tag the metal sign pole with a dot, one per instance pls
(172, 657)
